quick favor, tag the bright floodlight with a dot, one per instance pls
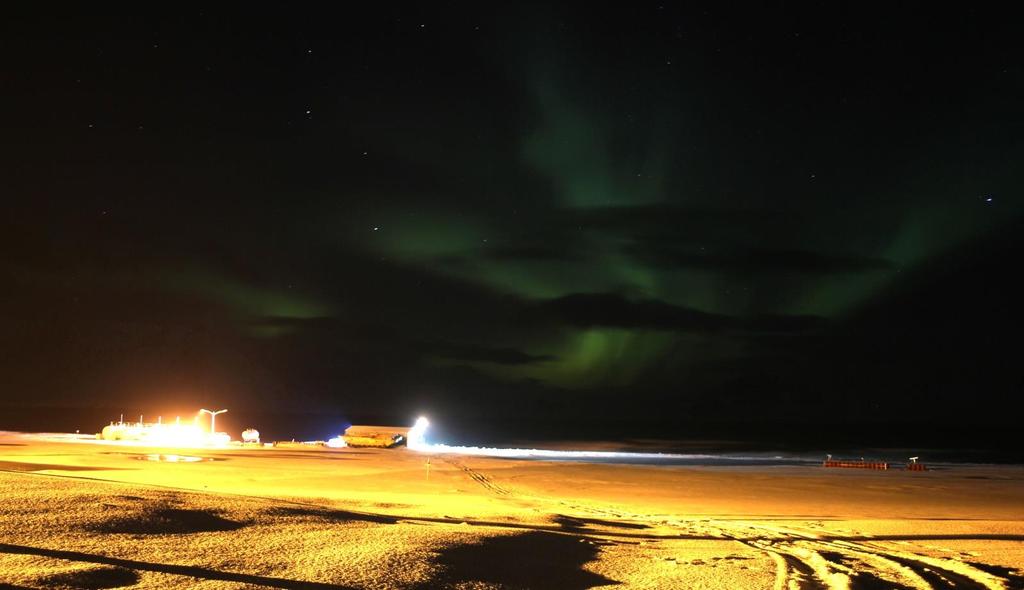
(416, 439)
(213, 418)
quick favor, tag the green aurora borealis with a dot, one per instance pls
(654, 200)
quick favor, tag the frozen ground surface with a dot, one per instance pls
(81, 515)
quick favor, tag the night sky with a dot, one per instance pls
(647, 219)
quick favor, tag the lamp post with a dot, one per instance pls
(213, 418)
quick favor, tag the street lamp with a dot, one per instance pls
(213, 418)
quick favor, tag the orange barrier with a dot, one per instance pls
(916, 467)
(856, 464)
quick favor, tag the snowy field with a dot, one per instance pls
(86, 515)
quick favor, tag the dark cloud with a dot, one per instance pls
(759, 261)
(778, 323)
(531, 253)
(612, 310)
(477, 353)
(745, 225)
(615, 311)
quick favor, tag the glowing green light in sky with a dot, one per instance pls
(592, 357)
(249, 301)
(573, 147)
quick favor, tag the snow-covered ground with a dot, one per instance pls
(77, 514)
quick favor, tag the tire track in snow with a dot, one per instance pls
(478, 477)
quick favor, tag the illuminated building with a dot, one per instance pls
(375, 436)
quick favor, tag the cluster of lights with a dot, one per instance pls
(173, 434)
